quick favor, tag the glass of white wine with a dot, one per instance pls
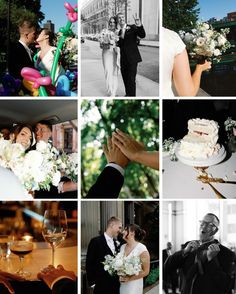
(21, 248)
(54, 228)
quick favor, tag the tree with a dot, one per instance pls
(180, 14)
(139, 118)
(19, 9)
(115, 6)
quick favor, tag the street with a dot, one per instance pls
(92, 73)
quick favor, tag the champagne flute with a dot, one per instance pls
(54, 228)
(21, 248)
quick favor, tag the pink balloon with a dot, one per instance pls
(32, 75)
(71, 14)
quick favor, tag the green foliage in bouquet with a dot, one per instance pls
(203, 42)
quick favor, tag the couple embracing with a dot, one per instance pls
(100, 247)
(120, 51)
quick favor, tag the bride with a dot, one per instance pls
(176, 67)
(133, 234)
(110, 56)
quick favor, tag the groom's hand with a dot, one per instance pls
(137, 20)
(113, 154)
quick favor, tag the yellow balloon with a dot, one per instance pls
(29, 86)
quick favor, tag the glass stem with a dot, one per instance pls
(21, 269)
(53, 253)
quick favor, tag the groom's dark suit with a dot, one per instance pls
(104, 282)
(130, 56)
(108, 184)
(18, 58)
(201, 276)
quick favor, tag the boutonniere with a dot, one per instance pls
(128, 28)
(117, 243)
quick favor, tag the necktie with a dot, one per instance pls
(116, 247)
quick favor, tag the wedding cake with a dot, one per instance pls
(201, 140)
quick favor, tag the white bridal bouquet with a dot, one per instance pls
(204, 42)
(68, 165)
(108, 39)
(122, 265)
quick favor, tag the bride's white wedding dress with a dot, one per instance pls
(111, 64)
(136, 286)
(173, 45)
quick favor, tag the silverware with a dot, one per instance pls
(206, 179)
(218, 194)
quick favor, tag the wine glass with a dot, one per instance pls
(54, 228)
(21, 248)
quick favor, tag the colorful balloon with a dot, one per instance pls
(35, 76)
(72, 13)
(72, 16)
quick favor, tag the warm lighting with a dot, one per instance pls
(27, 238)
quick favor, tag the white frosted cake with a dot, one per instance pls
(201, 140)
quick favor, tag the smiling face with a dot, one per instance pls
(24, 137)
(42, 132)
(121, 19)
(208, 228)
(127, 234)
(112, 23)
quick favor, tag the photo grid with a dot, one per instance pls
(117, 147)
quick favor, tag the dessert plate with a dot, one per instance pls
(214, 159)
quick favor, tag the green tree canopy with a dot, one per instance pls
(180, 14)
(19, 9)
(139, 118)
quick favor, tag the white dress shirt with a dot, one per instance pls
(110, 243)
(27, 49)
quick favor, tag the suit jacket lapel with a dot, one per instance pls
(106, 246)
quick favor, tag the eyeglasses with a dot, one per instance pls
(207, 224)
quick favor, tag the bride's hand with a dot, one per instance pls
(124, 279)
(205, 66)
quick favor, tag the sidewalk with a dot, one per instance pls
(154, 290)
(93, 82)
(149, 43)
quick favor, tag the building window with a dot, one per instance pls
(68, 139)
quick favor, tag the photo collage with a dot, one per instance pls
(117, 147)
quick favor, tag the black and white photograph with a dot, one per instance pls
(119, 48)
(199, 246)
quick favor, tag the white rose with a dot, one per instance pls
(200, 41)
(56, 178)
(118, 263)
(217, 52)
(33, 159)
(41, 146)
(221, 40)
(205, 26)
(106, 267)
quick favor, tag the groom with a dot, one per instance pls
(130, 56)
(99, 279)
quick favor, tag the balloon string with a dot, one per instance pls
(58, 52)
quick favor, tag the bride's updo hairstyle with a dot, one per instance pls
(139, 234)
